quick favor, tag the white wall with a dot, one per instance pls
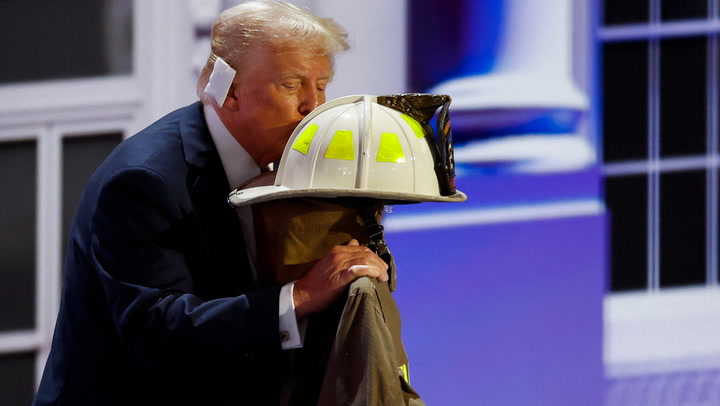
(377, 61)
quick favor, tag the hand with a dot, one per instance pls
(319, 288)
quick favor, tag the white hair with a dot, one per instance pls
(268, 23)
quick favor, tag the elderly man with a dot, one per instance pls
(160, 303)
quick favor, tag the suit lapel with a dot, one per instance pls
(227, 271)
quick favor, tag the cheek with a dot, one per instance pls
(262, 99)
(277, 108)
(289, 105)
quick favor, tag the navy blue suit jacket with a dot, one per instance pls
(158, 304)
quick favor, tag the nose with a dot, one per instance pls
(310, 99)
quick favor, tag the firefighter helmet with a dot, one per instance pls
(379, 147)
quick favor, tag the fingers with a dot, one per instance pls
(366, 263)
(365, 256)
(358, 268)
(358, 271)
(353, 253)
(342, 265)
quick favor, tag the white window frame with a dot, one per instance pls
(162, 79)
(665, 330)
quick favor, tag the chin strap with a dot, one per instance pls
(377, 241)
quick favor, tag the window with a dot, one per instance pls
(47, 39)
(77, 77)
(18, 199)
(81, 155)
(659, 123)
(18, 372)
(660, 141)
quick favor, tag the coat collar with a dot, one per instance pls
(208, 183)
(238, 164)
(197, 143)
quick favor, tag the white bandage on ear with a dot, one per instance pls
(220, 81)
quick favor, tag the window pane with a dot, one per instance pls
(81, 156)
(684, 9)
(18, 377)
(626, 11)
(626, 198)
(683, 96)
(682, 228)
(17, 235)
(49, 39)
(625, 105)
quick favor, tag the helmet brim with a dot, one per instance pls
(252, 195)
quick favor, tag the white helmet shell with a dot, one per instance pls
(353, 146)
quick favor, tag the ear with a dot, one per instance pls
(232, 101)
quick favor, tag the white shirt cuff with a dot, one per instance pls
(290, 335)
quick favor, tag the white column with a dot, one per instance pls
(532, 68)
(377, 62)
(163, 58)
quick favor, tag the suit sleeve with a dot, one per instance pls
(139, 237)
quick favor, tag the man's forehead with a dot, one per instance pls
(296, 74)
(290, 63)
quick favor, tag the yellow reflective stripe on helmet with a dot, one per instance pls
(302, 142)
(341, 146)
(416, 127)
(405, 372)
(390, 149)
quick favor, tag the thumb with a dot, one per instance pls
(353, 242)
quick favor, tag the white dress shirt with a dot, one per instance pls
(240, 167)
